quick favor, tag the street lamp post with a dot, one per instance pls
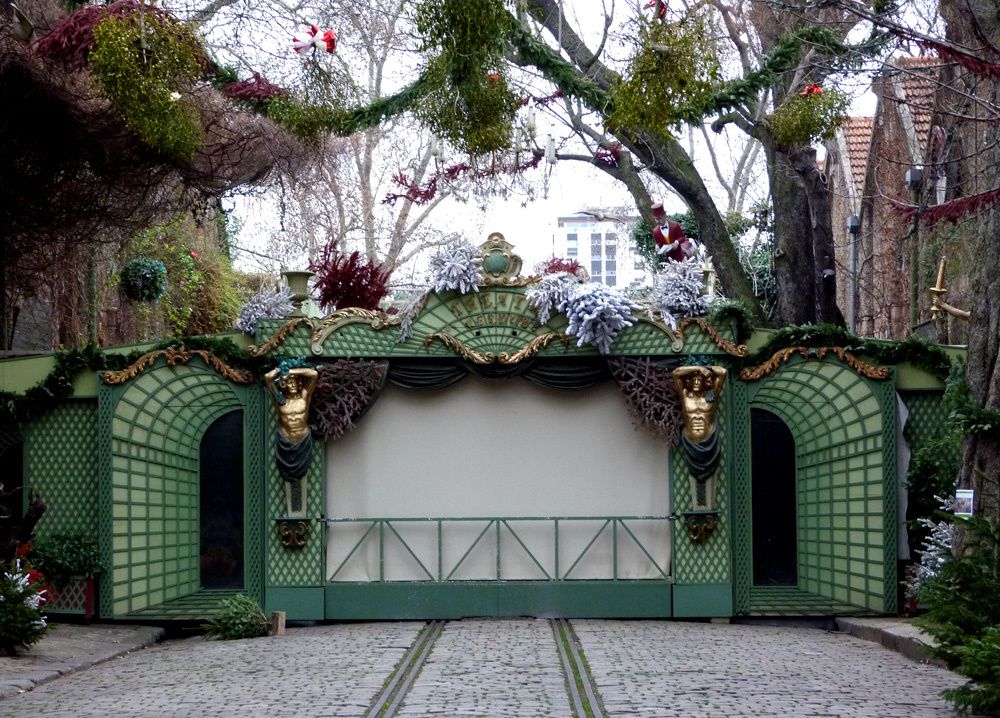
(853, 226)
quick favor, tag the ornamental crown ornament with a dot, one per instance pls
(500, 265)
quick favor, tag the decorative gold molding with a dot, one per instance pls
(534, 346)
(700, 524)
(377, 320)
(176, 355)
(293, 532)
(731, 348)
(677, 336)
(456, 346)
(783, 355)
(279, 336)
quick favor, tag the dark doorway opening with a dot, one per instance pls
(221, 507)
(774, 507)
(11, 492)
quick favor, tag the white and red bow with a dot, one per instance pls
(316, 41)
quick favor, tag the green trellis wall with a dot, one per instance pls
(151, 430)
(844, 431)
(60, 462)
(702, 571)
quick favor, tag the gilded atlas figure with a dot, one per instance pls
(699, 388)
(292, 390)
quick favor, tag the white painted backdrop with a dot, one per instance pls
(497, 448)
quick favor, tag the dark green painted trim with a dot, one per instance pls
(703, 601)
(890, 516)
(437, 600)
(107, 396)
(300, 603)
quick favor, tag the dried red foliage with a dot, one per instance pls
(541, 101)
(344, 391)
(348, 280)
(69, 41)
(650, 395)
(558, 264)
(970, 62)
(951, 211)
(257, 89)
(422, 194)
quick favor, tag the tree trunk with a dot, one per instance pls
(981, 452)
(975, 24)
(824, 274)
(793, 258)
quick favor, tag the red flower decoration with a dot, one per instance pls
(659, 8)
(23, 550)
(194, 255)
(493, 76)
(812, 90)
(325, 41)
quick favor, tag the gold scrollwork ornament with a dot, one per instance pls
(293, 534)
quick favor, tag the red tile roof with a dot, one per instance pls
(857, 133)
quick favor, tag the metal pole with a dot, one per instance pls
(853, 225)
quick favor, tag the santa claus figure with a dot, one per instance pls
(671, 242)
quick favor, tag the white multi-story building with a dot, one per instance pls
(603, 247)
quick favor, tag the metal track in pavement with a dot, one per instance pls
(585, 704)
(391, 697)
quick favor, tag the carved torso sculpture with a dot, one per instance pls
(293, 392)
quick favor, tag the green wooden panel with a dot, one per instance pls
(300, 603)
(60, 462)
(703, 601)
(438, 600)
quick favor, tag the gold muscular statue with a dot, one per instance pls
(699, 387)
(296, 390)
(292, 392)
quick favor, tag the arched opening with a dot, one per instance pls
(775, 547)
(221, 503)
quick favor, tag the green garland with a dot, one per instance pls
(920, 353)
(58, 385)
(734, 313)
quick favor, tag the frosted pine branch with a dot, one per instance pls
(550, 294)
(265, 304)
(456, 266)
(678, 291)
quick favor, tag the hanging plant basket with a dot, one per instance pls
(144, 279)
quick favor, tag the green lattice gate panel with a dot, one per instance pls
(844, 431)
(150, 493)
(60, 457)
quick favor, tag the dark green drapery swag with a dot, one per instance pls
(293, 457)
(569, 374)
(702, 458)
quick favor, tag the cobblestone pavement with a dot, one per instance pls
(318, 671)
(666, 669)
(495, 668)
(501, 668)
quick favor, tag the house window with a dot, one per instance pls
(595, 269)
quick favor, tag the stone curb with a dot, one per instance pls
(68, 648)
(896, 634)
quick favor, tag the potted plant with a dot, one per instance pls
(70, 562)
